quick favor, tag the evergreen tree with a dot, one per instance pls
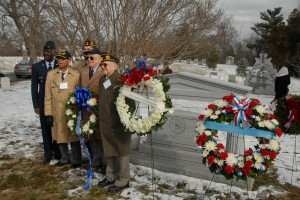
(213, 59)
(271, 18)
(242, 65)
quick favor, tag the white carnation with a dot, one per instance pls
(269, 125)
(261, 124)
(260, 109)
(70, 123)
(208, 133)
(208, 112)
(257, 118)
(231, 160)
(72, 100)
(69, 112)
(92, 102)
(200, 128)
(274, 121)
(258, 157)
(214, 116)
(210, 145)
(86, 127)
(274, 145)
(221, 103)
(93, 118)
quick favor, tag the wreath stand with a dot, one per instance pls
(235, 143)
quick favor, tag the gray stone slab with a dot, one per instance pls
(5, 83)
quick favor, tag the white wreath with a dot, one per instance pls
(135, 124)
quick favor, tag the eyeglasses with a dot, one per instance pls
(89, 57)
(104, 65)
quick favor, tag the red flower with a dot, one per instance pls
(228, 169)
(248, 163)
(264, 152)
(278, 132)
(74, 106)
(223, 155)
(220, 146)
(199, 141)
(96, 97)
(146, 78)
(201, 117)
(271, 116)
(123, 77)
(246, 170)
(248, 152)
(273, 155)
(249, 112)
(202, 137)
(228, 98)
(211, 160)
(212, 106)
(228, 109)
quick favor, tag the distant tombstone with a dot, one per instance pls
(203, 61)
(213, 74)
(24, 52)
(188, 61)
(5, 83)
(232, 78)
(262, 76)
(196, 61)
(229, 60)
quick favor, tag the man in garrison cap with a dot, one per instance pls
(116, 143)
(38, 80)
(80, 64)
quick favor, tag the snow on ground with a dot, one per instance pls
(20, 135)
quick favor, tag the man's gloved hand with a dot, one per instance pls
(49, 120)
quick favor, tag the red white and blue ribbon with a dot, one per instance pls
(239, 107)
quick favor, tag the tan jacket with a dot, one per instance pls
(92, 84)
(115, 141)
(55, 100)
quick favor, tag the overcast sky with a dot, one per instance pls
(247, 12)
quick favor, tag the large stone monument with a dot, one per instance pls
(262, 76)
(173, 149)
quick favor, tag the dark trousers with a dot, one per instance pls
(50, 147)
(76, 156)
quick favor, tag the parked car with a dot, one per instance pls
(23, 68)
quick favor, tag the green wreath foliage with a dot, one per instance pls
(282, 113)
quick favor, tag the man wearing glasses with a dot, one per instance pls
(116, 143)
(90, 79)
(79, 65)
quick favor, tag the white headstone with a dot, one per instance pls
(231, 78)
(5, 83)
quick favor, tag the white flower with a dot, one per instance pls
(69, 112)
(220, 162)
(92, 102)
(210, 145)
(257, 118)
(214, 116)
(91, 131)
(208, 133)
(93, 118)
(205, 153)
(241, 164)
(231, 160)
(257, 165)
(86, 127)
(72, 100)
(274, 121)
(261, 124)
(73, 116)
(207, 112)
(221, 103)
(70, 123)
(217, 112)
(260, 109)
(200, 128)
(269, 125)
(273, 145)
(258, 157)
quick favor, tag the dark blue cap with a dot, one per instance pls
(49, 45)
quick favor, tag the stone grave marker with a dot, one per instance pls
(5, 83)
(173, 148)
(262, 76)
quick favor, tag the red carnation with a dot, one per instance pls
(202, 137)
(211, 160)
(199, 141)
(201, 117)
(248, 152)
(246, 170)
(265, 152)
(223, 155)
(146, 78)
(228, 109)
(249, 163)
(273, 155)
(249, 112)
(228, 98)
(271, 116)
(220, 146)
(228, 169)
(212, 106)
(278, 132)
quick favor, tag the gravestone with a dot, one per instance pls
(229, 60)
(5, 83)
(196, 61)
(262, 76)
(188, 61)
(173, 148)
(204, 62)
(232, 78)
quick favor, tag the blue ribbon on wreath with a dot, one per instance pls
(82, 95)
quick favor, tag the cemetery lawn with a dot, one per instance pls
(24, 178)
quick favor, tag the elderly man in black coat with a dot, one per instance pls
(38, 80)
